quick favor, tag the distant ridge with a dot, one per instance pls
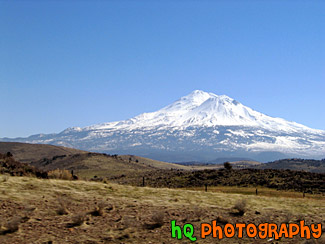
(299, 164)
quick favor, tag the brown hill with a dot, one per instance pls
(154, 163)
(99, 165)
(84, 164)
(308, 165)
(51, 157)
(26, 153)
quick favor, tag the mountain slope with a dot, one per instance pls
(199, 126)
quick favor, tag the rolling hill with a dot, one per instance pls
(308, 165)
(84, 164)
(26, 152)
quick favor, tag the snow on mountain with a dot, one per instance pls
(199, 125)
(200, 108)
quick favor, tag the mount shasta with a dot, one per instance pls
(198, 127)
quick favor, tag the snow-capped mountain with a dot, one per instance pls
(199, 126)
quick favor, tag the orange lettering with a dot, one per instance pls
(318, 229)
(303, 229)
(291, 232)
(216, 229)
(240, 230)
(262, 228)
(205, 232)
(272, 230)
(283, 230)
(251, 230)
(230, 233)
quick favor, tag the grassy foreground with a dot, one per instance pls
(57, 211)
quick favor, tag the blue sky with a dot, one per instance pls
(79, 63)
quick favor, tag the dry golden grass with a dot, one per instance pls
(262, 191)
(153, 163)
(134, 214)
(22, 188)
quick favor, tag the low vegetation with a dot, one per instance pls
(284, 180)
(240, 207)
(62, 207)
(8, 165)
(62, 174)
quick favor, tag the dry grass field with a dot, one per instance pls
(261, 191)
(58, 211)
(108, 205)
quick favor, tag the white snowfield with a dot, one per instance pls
(196, 123)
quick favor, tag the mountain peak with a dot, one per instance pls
(199, 123)
(196, 97)
(200, 95)
(203, 109)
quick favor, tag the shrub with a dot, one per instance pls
(12, 225)
(99, 209)
(62, 209)
(8, 165)
(157, 220)
(227, 166)
(222, 220)
(240, 206)
(62, 174)
(77, 220)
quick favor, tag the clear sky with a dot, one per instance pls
(78, 63)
